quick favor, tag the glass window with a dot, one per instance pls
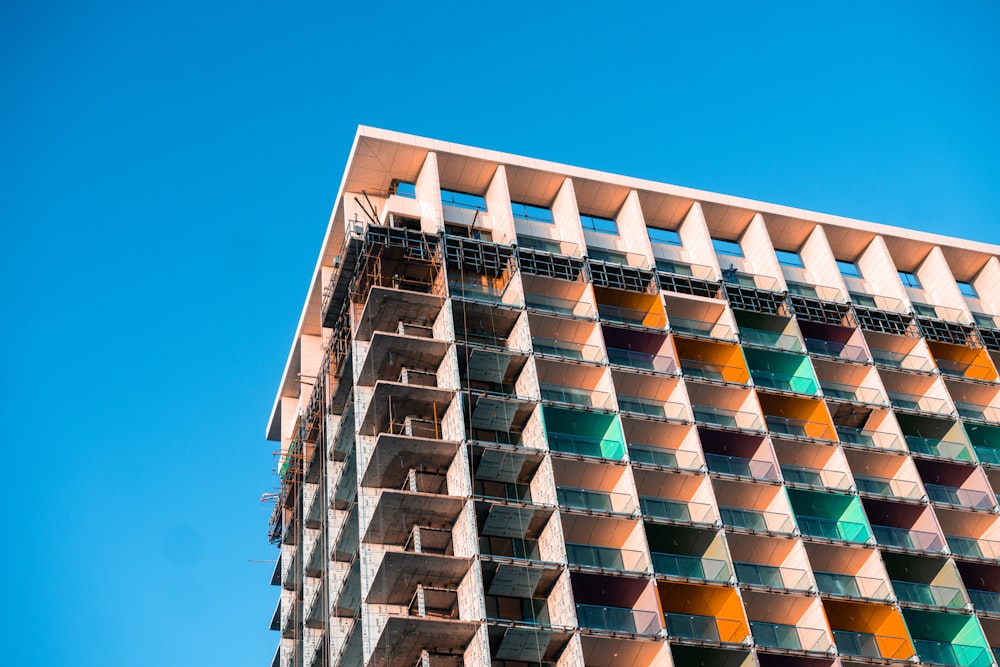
(924, 310)
(676, 268)
(863, 300)
(603, 255)
(535, 243)
(849, 269)
(909, 280)
(724, 247)
(664, 236)
(405, 189)
(967, 290)
(462, 200)
(984, 320)
(531, 213)
(598, 224)
(789, 258)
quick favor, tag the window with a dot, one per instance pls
(531, 213)
(612, 256)
(724, 247)
(924, 310)
(849, 269)
(984, 320)
(967, 290)
(865, 300)
(909, 280)
(673, 267)
(462, 200)
(597, 224)
(535, 243)
(664, 236)
(404, 189)
(789, 258)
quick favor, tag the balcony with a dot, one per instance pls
(707, 370)
(902, 361)
(674, 510)
(605, 558)
(772, 339)
(707, 414)
(741, 467)
(972, 547)
(846, 392)
(650, 407)
(985, 601)
(868, 645)
(868, 438)
(824, 477)
(689, 626)
(834, 583)
(888, 487)
(690, 567)
(565, 349)
(643, 361)
(832, 529)
(949, 495)
(952, 654)
(750, 519)
(983, 413)
(834, 350)
(616, 619)
(800, 428)
(558, 306)
(918, 403)
(660, 456)
(905, 538)
(784, 382)
(590, 500)
(557, 393)
(789, 637)
(770, 576)
(701, 328)
(928, 594)
(632, 317)
(584, 445)
(948, 449)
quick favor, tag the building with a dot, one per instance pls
(541, 415)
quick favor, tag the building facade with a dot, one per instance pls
(541, 415)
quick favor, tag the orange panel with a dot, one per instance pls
(714, 601)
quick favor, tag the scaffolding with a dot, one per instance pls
(547, 265)
(672, 282)
(822, 312)
(950, 332)
(618, 276)
(884, 321)
(397, 258)
(757, 300)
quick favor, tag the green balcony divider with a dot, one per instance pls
(831, 515)
(948, 638)
(782, 370)
(582, 432)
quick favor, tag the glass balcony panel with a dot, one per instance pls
(509, 548)
(790, 637)
(616, 619)
(910, 362)
(742, 467)
(848, 392)
(645, 361)
(846, 584)
(771, 576)
(935, 447)
(730, 418)
(906, 401)
(632, 316)
(907, 539)
(756, 519)
(868, 438)
(815, 476)
(559, 306)
(929, 594)
(827, 348)
(705, 370)
(609, 558)
(987, 601)
(963, 497)
(477, 290)
(661, 456)
(956, 655)
(566, 349)
(701, 328)
(880, 302)
(773, 339)
(976, 411)
(799, 427)
(585, 445)
(649, 407)
(784, 382)
(816, 526)
(884, 486)
(676, 510)
(734, 277)
(692, 567)
(988, 455)
(974, 548)
(867, 645)
(687, 626)
(595, 501)
(963, 369)
(574, 396)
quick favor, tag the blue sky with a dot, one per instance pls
(168, 169)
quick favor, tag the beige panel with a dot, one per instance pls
(757, 247)
(879, 271)
(820, 262)
(566, 215)
(939, 284)
(697, 240)
(498, 205)
(632, 227)
(428, 191)
(987, 285)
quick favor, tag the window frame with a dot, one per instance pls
(594, 227)
(673, 236)
(852, 269)
(909, 279)
(971, 293)
(529, 216)
(793, 256)
(467, 206)
(727, 248)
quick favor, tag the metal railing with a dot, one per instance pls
(950, 495)
(784, 382)
(948, 449)
(558, 305)
(585, 445)
(834, 479)
(701, 328)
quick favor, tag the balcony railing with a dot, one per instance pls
(558, 393)
(789, 637)
(609, 558)
(929, 594)
(708, 414)
(948, 449)
(950, 495)
(961, 369)
(558, 305)
(706, 370)
(585, 445)
(889, 303)
(784, 382)
(701, 328)
(475, 290)
(901, 360)
(691, 567)
(847, 392)
(974, 547)
(916, 402)
(869, 438)
(703, 628)
(821, 292)
(741, 467)
(650, 407)
(740, 517)
(616, 619)
(817, 526)
(566, 349)
(631, 316)
(868, 645)
(888, 487)
(645, 361)
(661, 456)
(592, 500)
(851, 585)
(772, 339)
(771, 576)
(799, 427)
(676, 510)
(905, 538)
(978, 412)
(988, 454)
(829, 348)
(953, 654)
(988, 601)
(834, 479)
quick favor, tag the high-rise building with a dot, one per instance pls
(535, 414)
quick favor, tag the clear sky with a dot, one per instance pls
(167, 170)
